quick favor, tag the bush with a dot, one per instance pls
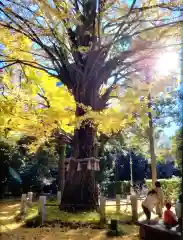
(171, 187)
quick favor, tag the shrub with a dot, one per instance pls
(171, 187)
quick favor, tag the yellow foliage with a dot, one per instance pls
(23, 106)
(23, 112)
(36, 106)
(17, 45)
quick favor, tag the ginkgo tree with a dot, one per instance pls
(90, 46)
(35, 111)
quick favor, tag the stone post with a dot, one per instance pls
(23, 204)
(134, 207)
(118, 203)
(59, 197)
(30, 196)
(42, 208)
(102, 209)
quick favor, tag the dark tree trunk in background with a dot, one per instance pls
(80, 192)
(151, 142)
(61, 167)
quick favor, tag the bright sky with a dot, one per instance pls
(171, 131)
(168, 63)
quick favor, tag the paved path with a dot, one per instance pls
(110, 206)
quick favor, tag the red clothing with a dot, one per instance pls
(169, 217)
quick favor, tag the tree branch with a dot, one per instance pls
(45, 99)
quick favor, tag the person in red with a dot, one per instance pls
(170, 219)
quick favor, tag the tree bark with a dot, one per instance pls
(80, 192)
(151, 144)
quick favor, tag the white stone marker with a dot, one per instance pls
(134, 207)
(42, 208)
(118, 203)
(23, 204)
(59, 197)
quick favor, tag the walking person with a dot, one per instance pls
(149, 204)
(160, 203)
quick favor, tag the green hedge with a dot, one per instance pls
(171, 187)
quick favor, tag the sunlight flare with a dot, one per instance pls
(167, 63)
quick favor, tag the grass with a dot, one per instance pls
(13, 230)
(53, 213)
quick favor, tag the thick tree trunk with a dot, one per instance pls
(80, 192)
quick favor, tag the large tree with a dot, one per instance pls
(85, 45)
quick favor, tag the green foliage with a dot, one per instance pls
(31, 168)
(177, 147)
(171, 187)
(114, 166)
(164, 112)
(9, 157)
(166, 109)
(106, 168)
(107, 177)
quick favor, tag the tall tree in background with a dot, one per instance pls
(84, 44)
(162, 112)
